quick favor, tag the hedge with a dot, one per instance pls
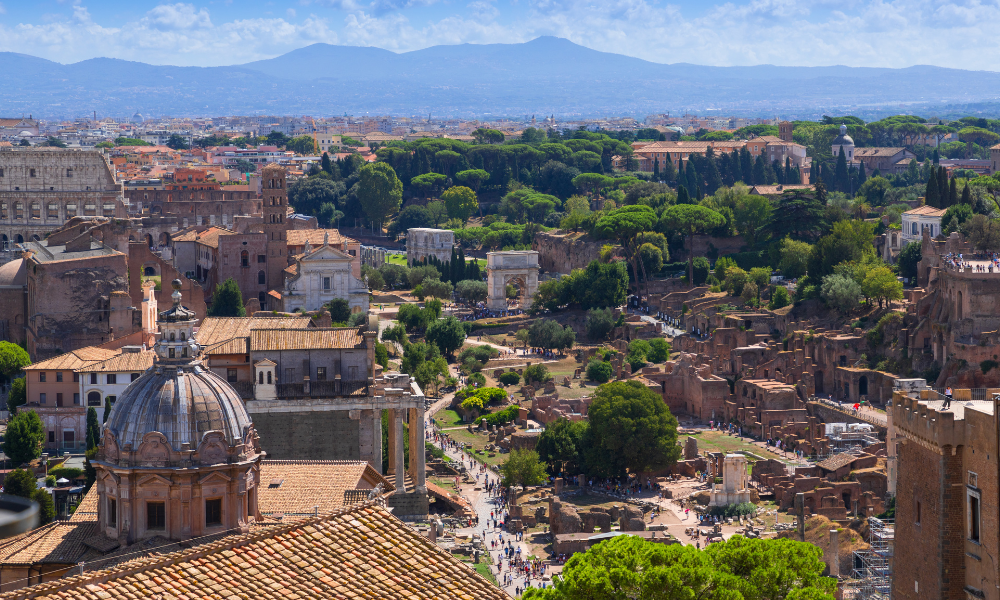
(501, 416)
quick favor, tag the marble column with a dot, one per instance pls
(392, 442)
(400, 456)
(377, 439)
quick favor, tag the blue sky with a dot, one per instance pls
(895, 33)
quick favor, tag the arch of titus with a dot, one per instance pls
(502, 268)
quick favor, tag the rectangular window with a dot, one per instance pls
(70, 210)
(53, 210)
(112, 512)
(41, 377)
(59, 399)
(213, 512)
(69, 437)
(289, 375)
(93, 378)
(41, 398)
(76, 398)
(326, 283)
(52, 437)
(916, 516)
(112, 378)
(974, 516)
(261, 259)
(135, 376)
(3, 210)
(59, 376)
(320, 373)
(69, 172)
(231, 375)
(31, 172)
(156, 515)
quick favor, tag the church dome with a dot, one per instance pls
(843, 139)
(179, 398)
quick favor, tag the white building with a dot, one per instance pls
(321, 276)
(107, 379)
(916, 220)
(422, 242)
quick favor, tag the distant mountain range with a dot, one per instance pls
(544, 76)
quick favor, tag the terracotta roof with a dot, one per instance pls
(359, 552)
(124, 362)
(927, 211)
(240, 345)
(55, 543)
(298, 237)
(301, 339)
(837, 461)
(208, 237)
(777, 190)
(219, 329)
(74, 359)
(87, 509)
(873, 152)
(298, 487)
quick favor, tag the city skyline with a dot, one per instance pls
(779, 32)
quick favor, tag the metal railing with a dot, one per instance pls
(320, 389)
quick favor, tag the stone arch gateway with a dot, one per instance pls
(506, 267)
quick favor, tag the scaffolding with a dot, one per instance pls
(872, 575)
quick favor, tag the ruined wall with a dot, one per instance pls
(561, 253)
(328, 435)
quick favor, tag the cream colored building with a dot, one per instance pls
(423, 242)
(323, 275)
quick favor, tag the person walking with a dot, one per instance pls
(947, 398)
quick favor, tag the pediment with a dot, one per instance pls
(215, 477)
(153, 478)
(326, 253)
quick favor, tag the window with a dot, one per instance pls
(59, 399)
(19, 210)
(261, 277)
(94, 399)
(52, 437)
(41, 398)
(974, 516)
(269, 378)
(135, 376)
(71, 210)
(53, 211)
(916, 515)
(93, 378)
(171, 353)
(69, 437)
(69, 172)
(261, 259)
(31, 172)
(59, 376)
(109, 209)
(289, 375)
(3, 210)
(244, 259)
(231, 375)
(76, 398)
(41, 377)
(156, 515)
(326, 283)
(112, 378)
(320, 373)
(112, 512)
(213, 512)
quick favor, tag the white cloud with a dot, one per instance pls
(178, 16)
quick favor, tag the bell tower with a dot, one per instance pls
(275, 196)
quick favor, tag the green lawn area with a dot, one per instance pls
(447, 418)
(154, 278)
(716, 441)
(396, 259)
(478, 442)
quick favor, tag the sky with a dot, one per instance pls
(896, 33)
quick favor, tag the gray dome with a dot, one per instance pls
(843, 139)
(183, 403)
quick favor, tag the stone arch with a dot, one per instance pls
(818, 378)
(35, 238)
(149, 240)
(20, 239)
(863, 386)
(149, 271)
(164, 239)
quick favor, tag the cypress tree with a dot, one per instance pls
(759, 171)
(814, 174)
(682, 195)
(789, 178)
(445, 269)
(943, 191)
(841, 182)
(953, 193)
(326, 165)
(725, 171)
(937, 157)
(691, 174)
(861, 175)
(746, 166)
(932, 195)
(966, 195)
(735, 170)
(656, 168)
(681, 175)
(669, 173)
(713, 180)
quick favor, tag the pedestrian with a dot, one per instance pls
(947, 398)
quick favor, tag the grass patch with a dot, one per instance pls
(484, 570)
(154, 278)
(447, 418)
(396, 259)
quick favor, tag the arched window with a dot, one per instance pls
(183, 336)
(269, 378)
(261, 377)
(172, 336)
(244, 259)
(261, 277)
(94, 399)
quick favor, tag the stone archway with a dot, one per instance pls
(503, 268)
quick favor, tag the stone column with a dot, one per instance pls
(400, 456)
(417, 451)
(833, 554)
(377, 439)
(392, 442)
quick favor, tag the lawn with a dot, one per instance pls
(478, 443)
(396, 259)
(154, 278)
(716, 441)
(447, 418)
(483, 569)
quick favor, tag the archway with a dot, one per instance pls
(164, 239)
(863, 386)
(20, 239)
(35, 238)
(149, 240)
(502, 268)
(94, 399)
(515, 289)
(818, 378)
(149, 272)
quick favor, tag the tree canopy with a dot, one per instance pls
(23, 441)
(227, 301)
(379, 191)
(631, 429)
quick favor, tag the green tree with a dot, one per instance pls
(472, 291)
(982, 232)
(437, 211)
(108, 405)
(176, 141)
(308, 195)
(600, 322)
(93, 428)
(23, 441)
(628, 566)
(417, 354)
(547, 334)
(932, 193)
(473, 178)
(447, 334)
(435, 288)
(21, 483)
(874, 190)
(340, 310)
(840, 292)
(599, 371)
(227, 301)
(691, 219)
(460, 201)
(752, 215)
(881, 284)
(537, 374)
(909, 256)
(46, 507)
(429, 373)
(13, 360)
(631, 430)
(17, 396)
(561, 446)
(485, 135)
(624, 224)
(379, 191)
(779, 298)
(955, 216)
(794, 258)
(849, 241)
(522, 468)
(659, 350)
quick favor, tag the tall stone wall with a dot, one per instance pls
(327, 435)
(563, 252)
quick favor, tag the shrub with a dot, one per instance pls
(539, 373)
(600, 321)
(477, 378)
(510, 378)
(599, 371)
(501, 417)
(779, 298)
(734, 510)
(987, 365)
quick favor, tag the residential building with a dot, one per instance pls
(916, 220)
(327, 142)
(887, 161)
(103, 382)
